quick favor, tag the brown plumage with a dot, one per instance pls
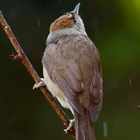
(72, 71)
(62, 22)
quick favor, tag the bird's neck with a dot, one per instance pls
(62, 32)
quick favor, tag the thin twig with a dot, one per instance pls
(25, 61)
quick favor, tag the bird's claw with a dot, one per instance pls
(71, 124)
(40, 84)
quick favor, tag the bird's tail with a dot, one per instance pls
(83, 126)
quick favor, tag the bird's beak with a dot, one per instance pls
(76, 9)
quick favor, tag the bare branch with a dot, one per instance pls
(24, 60)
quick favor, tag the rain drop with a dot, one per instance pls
(38, 22)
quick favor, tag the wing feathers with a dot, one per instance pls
(61, 81)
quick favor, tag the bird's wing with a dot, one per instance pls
(96, 92)
(70, 84)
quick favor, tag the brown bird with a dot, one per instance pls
(72, 72)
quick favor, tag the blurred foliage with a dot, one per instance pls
(113, 25)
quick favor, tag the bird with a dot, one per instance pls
(72, 72)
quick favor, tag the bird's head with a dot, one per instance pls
(69, 21)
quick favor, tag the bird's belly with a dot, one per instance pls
(55, 90)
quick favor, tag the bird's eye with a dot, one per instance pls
(72, 17)
(69, 15)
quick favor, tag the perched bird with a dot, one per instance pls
(72, 71)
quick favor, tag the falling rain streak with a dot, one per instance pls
(105, 129)
(38, 22)
(130, 82)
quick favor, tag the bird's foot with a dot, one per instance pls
(40, 84)
(71, 124)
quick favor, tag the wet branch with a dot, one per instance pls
(20, 55)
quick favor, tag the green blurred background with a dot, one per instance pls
(113, 25)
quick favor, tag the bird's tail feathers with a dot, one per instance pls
(83, 126)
